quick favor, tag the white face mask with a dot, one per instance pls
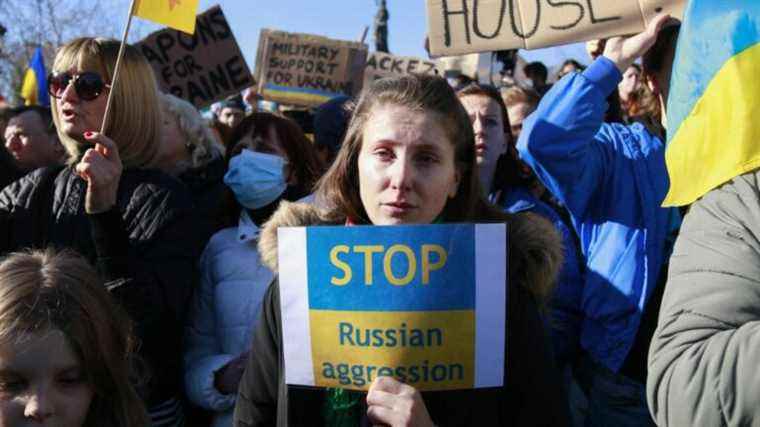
(256, 179)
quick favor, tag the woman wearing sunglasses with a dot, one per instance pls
(409, 158)
(133, 223)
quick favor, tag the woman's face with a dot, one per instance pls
(630, 83)
(407, 167)
(173, 155)
(42, 383)
(488, 125)
(271, 144)
(77, 116)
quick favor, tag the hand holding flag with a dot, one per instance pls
(178, 14)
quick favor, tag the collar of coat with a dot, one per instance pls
(535, 253)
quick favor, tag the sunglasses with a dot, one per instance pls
(88, 85)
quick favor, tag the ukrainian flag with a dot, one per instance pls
(714, 103)
(177, 14)
(34, 88)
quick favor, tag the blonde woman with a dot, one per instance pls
(135, 224)
(66, 350)
(191, 152)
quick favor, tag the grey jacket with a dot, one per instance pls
(704, 360)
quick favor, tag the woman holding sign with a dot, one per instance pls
(409, 158)
(135, 224)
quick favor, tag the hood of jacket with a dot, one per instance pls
(535, 248)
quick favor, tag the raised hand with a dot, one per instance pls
(623, 51)
(101, 167)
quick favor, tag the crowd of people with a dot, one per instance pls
(139, 270)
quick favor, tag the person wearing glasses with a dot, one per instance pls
(134, 223)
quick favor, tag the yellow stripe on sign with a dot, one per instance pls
(428, 350)
(177, 14)
(294, 97)
(720, 139)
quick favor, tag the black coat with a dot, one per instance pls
(146, 250)
(207, 189)
(8, 171)
(532, 395)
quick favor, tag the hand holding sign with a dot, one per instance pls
(396, 404)
(624, 51)
(101, 167)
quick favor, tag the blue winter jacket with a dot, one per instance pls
(612, 178)
(565, 320)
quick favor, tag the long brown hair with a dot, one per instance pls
(339, 188)
(508, 166)
(41, 291)
(534, 246)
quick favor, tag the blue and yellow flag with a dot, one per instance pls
(34, 88)
(177, 14)
(714, 107)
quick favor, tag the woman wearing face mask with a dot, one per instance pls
(66, 350)
(409, 158)
(136, 224)
(271, 161)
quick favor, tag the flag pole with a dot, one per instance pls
(117, 68)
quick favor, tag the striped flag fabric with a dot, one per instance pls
(714, 108)
(34, 87)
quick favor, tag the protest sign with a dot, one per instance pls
(381, 65)
(201, 68)
(457, 27)
(308, 70)
(424, 304)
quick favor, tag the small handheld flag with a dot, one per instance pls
(34, 88)
(713, 106)
(177, 14)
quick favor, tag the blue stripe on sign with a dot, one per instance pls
(451, 287)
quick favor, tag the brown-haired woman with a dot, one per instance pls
(409, 158)
(135, 224)
(271, 161)
(66, 349)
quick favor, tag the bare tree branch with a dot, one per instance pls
(49, 23)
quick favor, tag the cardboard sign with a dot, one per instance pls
(201, 68)
(308, 70)
(424, 304)
(381, 65)
(457, 27)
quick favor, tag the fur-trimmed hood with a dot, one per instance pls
(535, 248)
